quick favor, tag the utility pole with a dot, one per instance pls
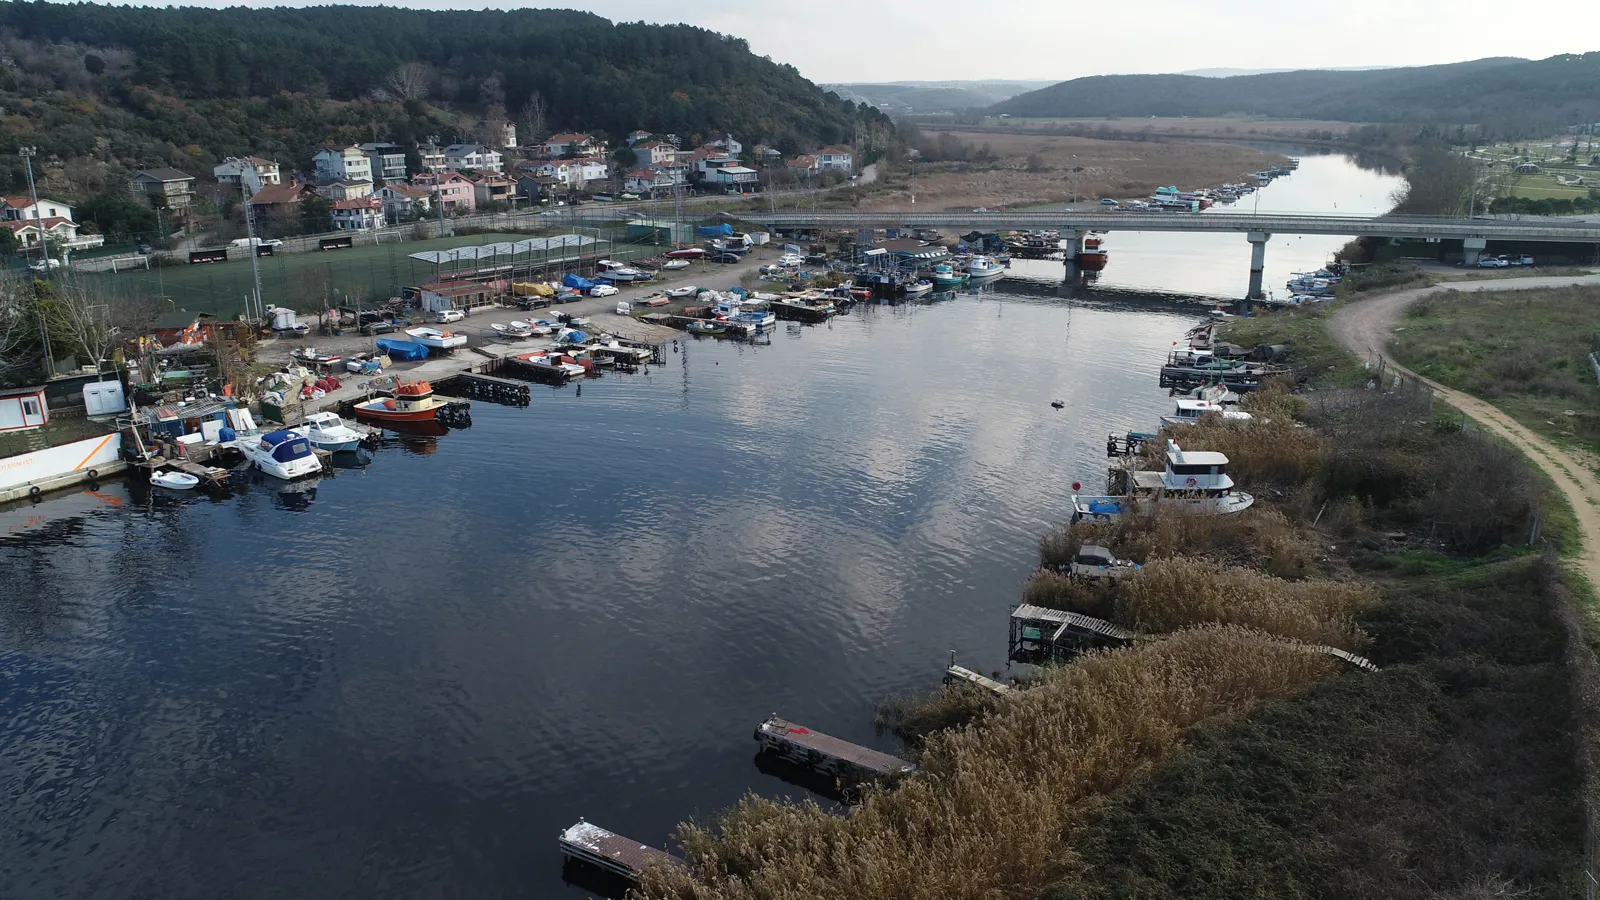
(438, 184)
(27, 154)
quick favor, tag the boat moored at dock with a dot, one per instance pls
(1195, 481)
(282, 454)
(326, 431)
(611, 852)
(407, 402)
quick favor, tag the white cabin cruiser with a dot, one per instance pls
(1190, 411)
(1195, 481)
(326, 431)
(282, 454)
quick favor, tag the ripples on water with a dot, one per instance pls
(402, 681)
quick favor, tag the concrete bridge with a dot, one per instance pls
(1257, 228)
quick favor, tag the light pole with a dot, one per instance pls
(38, 226)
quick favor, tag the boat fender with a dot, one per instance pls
(1192, 482)
(93, 475)
(34, 492)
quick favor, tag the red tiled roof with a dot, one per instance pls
(803, 162)
(292, 192)
(358, 203)
(568, 137)
(50, 223)
(642, 173)
(836, 150)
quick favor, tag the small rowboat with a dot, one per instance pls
(702, 327)
(177, 481)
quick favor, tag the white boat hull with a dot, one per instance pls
(1105, 509)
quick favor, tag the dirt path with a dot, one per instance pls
(1365, 328)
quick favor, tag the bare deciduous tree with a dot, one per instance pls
(19, 330)
(409, 82)
(94, 318)
(534, 114)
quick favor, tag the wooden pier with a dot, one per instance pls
(611, 852)
(829, 755)
(212, 478)
(1047, 635)
(954, 674)
(1124, 445)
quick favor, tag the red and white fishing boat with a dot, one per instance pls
(688, 253)
(1092, 258)
(410, 402)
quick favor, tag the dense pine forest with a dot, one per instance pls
(100, 90)
(1508, 97)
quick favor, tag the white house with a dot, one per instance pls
(23, 408)
(14, 208)
(344, 189)
(401, 201)
(357, 215)
(569, 143)
(646, 181)
(478, 158)
(635, 137)
(837, 158)
(594, 168)
(231, 171)
(508, 136)
(343, 164)
(727, 143)
(561, 170)
(388, 161)
(50, 219)
(432, 158)
(654, 153)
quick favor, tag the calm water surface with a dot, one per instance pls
(403, 680)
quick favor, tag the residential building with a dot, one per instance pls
(804, 164)
(476, 157)
(357, 215)
(387, 161)
(30, 232)
(559, 170)
(635, 137)
(342, 164)
(654, 153)
(344, 189)
(840, 159)
(534, 188)
(727, 172)
(727, 144)
(164, 187)
(281, 197)
(14, 208)
(403, 202)
(569, 144)
(232, 171)
(492, 188)
(594, 168)
(22, 408)
(647, 181)
(508, 137)
(432, 158)
(705, 165)
(455, 193)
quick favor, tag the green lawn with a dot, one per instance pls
(301, 281)
(1524, 351)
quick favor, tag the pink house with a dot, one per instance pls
(456, 192)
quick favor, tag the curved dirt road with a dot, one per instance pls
(1365, 327)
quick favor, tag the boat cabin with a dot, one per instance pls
(286, 446)
(1191, 410)
(23, 408)
(1187, 471)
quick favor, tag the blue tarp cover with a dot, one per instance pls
(575, 337)
(406, 350)
(723, 230)
(578, 282)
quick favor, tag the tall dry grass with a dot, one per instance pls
(1174, 594)
(914, 717)
(1272, 450)
(1258, 537)
(994, 808)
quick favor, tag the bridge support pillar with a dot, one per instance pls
(1071, 244)
(1472, 248)
(1258, 262)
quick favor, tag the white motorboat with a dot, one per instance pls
(174, 481)
(1190, 411)
(436, 339)
(622, 352)
(542, 360)
(982, 267)
(687, 290)
(326, 431)
(918, 287)
(618, 272)
(282, 454)
(1195, 481)
(672, 265)
(516, 328)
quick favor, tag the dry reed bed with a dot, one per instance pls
(1258, 537)
(992, 812)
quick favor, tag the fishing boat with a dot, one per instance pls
(701, 326)
(282, 454)
(733, 312)
(807, 308)
(1190, 411)
(436, 339)
(311, 356)
(983, 268)
(553, 363)
(616, 271)
(945, 276)
(1197, 482)
(326, 431)
(410, 402)
(174, 481)
(1234, 375)
(516, 328)
(1092, 258)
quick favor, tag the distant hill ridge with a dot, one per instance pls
(1505, 93)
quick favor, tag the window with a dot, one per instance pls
(30, 408)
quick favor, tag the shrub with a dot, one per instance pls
(993, 809)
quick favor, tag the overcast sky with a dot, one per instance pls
(938, 40)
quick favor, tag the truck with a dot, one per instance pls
(247, 243)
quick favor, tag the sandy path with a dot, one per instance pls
(1365, 328)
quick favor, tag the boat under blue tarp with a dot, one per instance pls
(406, 350)
(577, 282)
(723, 230)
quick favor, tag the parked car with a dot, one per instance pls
(44, 265)
(790, 259)
(144, 248)
(446, 316)
(629, 196)
(1523, 260)
(603, 290)
(1107, 201)
(1492, 262)
(727, 258)
(372, 328)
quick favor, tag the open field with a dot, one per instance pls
(1222, 126)
(1065, 167)
(1523, 351)
(302, 281)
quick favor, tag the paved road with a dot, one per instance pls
(1366, 326)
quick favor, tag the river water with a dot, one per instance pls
(405, 679)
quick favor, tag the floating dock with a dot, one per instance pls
(488, 388)
(829, 755)
(611, 852)
(954, 674)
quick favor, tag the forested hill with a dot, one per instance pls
(130, 85)
(1506, 94)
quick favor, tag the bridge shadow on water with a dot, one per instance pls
(1086, 290)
